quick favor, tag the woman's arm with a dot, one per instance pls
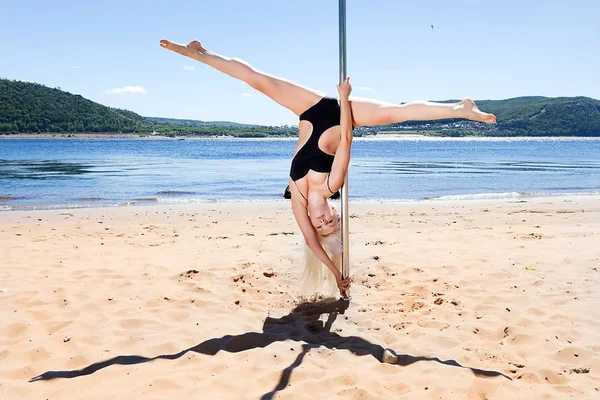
(310, 237)
(339, 169)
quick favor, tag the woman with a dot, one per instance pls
(322, 153)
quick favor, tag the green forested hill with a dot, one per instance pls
(524, 116)
(564, 116)
(33, 108)
(193, 122)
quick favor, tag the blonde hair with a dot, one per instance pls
(317, 278)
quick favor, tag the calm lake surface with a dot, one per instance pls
(65, 173)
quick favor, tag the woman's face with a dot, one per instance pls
(324, 219)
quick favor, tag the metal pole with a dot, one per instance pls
(344, 191)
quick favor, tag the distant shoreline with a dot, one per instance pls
(399, 134)
(85, 136)
(134, 136)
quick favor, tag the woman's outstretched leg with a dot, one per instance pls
(288, 94)
(371, 112)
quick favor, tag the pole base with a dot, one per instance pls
(389, 356)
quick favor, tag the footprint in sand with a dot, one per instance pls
(532, 236)
(189, 274)
(579, 370)
(374, 243)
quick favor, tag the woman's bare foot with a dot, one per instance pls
(469, 110)
(193, 49)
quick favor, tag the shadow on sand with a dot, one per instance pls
(303, 324)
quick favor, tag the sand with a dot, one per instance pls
(492, 299)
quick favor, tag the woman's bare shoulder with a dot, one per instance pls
(296, 195)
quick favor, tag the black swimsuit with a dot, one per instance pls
(323, 115)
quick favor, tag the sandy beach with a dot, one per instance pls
(494, 299)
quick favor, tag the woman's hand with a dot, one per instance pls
(343, 285)
(345, 88)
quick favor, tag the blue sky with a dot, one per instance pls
(108, 51)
